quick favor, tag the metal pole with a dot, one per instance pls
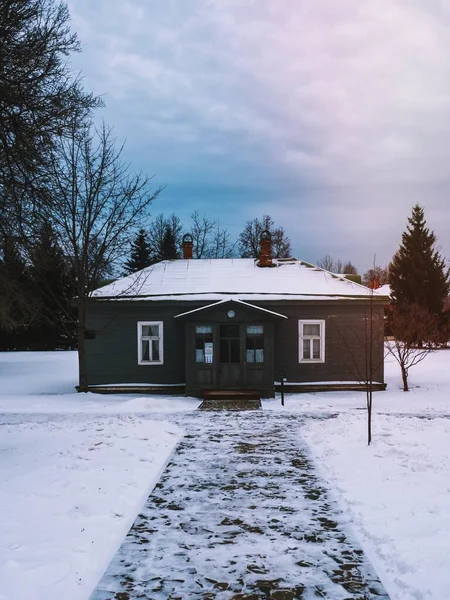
(282, 391)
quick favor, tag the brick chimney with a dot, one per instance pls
(265, 253)
(188, 245)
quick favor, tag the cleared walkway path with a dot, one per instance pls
(240, 514)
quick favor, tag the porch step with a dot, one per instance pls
(233, 404)
(231, 395)
(231, 400)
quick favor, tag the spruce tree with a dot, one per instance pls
(417, 273)
(18, 302)
(54, 288)
(169, 245)
(141, 253)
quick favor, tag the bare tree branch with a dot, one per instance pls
(416, 332)
(96, 204)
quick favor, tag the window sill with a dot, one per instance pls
(150, 364)
(309, 362)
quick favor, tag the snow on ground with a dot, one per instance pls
(72, 484)
(429, 395)
(397, 495)
(37, 382)
(71, 488)
(397, 491)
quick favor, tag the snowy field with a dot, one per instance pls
(72, 482)
(77, 468)
(397, 491)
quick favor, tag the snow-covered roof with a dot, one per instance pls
(384, 290)
(216, 279)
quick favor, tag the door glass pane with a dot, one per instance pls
(235, 353)
(224, 351)
(255, 344)
(203, 329)
(155, 350)
(145, 350)
(229, 331)
(316, 349)
(306, 349)
(255, 329)
(311, 329)
(204, 347)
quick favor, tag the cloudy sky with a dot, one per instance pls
(333, 117)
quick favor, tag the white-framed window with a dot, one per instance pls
(311, 341)
(150, 342)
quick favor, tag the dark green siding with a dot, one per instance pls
(345, 343)
(112, 355)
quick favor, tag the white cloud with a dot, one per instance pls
(349, 97)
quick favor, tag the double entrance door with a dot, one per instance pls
(233, 355)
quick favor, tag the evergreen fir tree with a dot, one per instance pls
(18, 304)
(53, 289)
(141, 253)
(169, 245)
(417, 273)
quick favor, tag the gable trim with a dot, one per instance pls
(228, 301)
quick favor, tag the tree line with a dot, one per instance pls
(162, 240)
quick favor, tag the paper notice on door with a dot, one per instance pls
(209, 356)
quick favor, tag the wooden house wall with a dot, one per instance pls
(112, 355)
(346, 328)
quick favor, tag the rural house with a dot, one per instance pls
(196, 326)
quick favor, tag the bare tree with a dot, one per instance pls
(39, 98)
(328, 263)
(96, 205)
(376, 277)
(416, 332)
(338, 267)
(349, 268)
(369, 366)
(362, 357)
(209, 238)
(202, 230)
(249, 238)
(364, 351)
(221, 244)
